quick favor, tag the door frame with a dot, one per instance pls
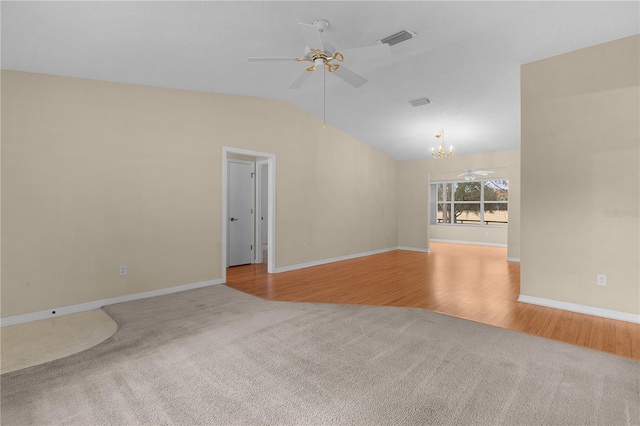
(271, 205)
(259, 213)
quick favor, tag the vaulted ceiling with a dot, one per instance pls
(465, 58)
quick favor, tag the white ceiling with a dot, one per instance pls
(466, 57)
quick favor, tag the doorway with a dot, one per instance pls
(240, 227)
(264, 207)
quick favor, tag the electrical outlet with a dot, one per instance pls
(123, 269)
(304, 246)
(601, 279)
(487, 233)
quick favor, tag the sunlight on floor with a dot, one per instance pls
(32, 343)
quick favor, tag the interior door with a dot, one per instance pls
(241, 200)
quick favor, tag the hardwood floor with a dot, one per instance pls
(472, 282)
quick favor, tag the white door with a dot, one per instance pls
(240, 224)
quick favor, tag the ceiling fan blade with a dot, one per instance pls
(369, 52)
(299, 81)
(483, 172)
(349, 76)
(463, 174)
(311, 34)
(271, 59)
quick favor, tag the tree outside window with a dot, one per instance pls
(478, 202)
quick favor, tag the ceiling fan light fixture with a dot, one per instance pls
(471, 174)
(322, 24)
(420, 102)
(396, 38)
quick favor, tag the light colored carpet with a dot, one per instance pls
(218, 356)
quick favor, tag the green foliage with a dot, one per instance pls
(467, 191)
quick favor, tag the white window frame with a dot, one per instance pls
(434, 203)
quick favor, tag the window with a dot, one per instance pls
(477, 202)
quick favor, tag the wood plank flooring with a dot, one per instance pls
(467, 281)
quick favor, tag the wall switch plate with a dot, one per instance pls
(601, 279)
(305, 247)
(123, 270)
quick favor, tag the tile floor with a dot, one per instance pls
(37, 342)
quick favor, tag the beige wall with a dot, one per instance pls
(413, 200)
(97, 175)
(580, 161)
(413, 204)
(490, 235)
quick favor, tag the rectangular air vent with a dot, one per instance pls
(398, 37)
(420, 102)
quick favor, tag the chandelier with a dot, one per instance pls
(441, 151)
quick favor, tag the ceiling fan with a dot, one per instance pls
(323, 54)
(471, 174)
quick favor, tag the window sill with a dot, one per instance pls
(471, 225)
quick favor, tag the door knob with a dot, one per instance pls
(233, 219)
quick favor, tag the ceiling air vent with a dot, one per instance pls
(420, 102)
(398, 37)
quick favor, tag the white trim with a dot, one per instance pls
(18, 319)
(333, 259)
(467, 225)
(421, 250)
(582, 309)
(513, 259)
(477, 243)
(484, 179)
(259, 213)
(271, 220)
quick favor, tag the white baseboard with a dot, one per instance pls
(18, 319)
(581, 309)
(513, 259)
(477, 243)
(421, 250)
(331, 260)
